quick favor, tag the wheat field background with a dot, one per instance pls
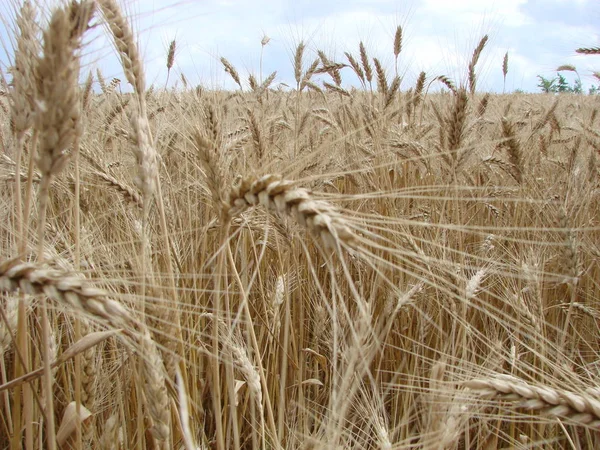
(312, 267)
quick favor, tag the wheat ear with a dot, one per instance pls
(589, 51)
(473, 63)
(281, 196)
(581, 409)
(125, 44)
(70, 291)
(22, 95)
(75, 294)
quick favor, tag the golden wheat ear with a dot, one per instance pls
(577, 408)
(283, 197)
(75, 294)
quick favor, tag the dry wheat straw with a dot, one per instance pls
(58, 123)
(8, 322)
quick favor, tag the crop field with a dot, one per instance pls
(307, 267)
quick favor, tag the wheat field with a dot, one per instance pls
(312, 267)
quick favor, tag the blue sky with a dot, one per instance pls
(439, 37)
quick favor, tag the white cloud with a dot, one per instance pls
(439, 36)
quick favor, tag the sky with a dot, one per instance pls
(438, 37)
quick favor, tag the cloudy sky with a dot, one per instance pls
(439, 38)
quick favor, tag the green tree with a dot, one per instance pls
(562, 84)
(547, 85)
(559, 84)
